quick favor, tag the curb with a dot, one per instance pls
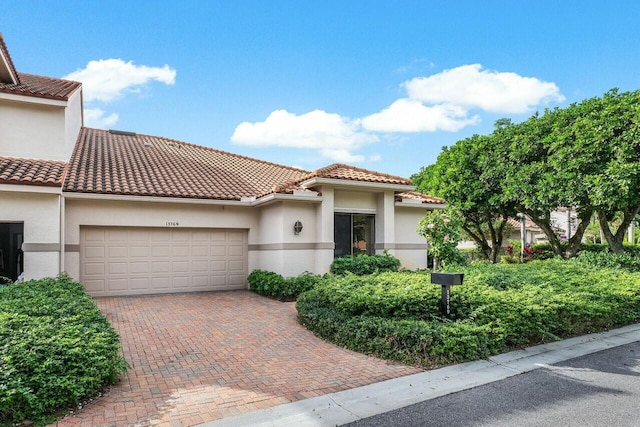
(351, 405)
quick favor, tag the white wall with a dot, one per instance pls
(73, 123)
(41, 217)
(19, 137)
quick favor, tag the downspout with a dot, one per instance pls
(62, 233)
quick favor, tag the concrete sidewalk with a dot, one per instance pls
(362, 402)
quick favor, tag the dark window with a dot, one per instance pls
(11, 256)
(353, 234)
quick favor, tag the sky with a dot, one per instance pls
(381, 85)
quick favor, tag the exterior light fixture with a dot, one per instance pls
(297, 227)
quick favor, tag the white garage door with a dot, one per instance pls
(134, 261)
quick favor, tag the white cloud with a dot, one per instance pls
(95, 117)
(407, 115)
(335, 136)
(472, 87)
(108, 79)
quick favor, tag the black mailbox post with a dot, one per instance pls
(446, 280)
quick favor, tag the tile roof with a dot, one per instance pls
(31, 85)
(32, 172)
(424, 198)
(41, 87)
(124, 163)
(341, 171)
(9, 63)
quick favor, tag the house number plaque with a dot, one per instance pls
(172, 224)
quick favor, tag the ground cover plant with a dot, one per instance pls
(499, 307)
(56, 349)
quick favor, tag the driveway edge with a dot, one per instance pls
(362, 402)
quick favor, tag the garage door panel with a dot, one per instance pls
(236, 266)
(200, 251)
(180, 251)
(94, 252)
(161, 251)
(218, 266)
(94, 286)
(236, 250)
(117, 284)
(158, 267)
(117, 268)
(115, 235)
(140, 283)
(118, 252)
(93, 268)
(219, 251)
(139, 251)
(139, 267)
(200, 266)
(133, 261)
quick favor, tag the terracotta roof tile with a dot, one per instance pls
(424, 198)
(41, 87)
(32, 172)
(110, 162)
(5, 53)
(352, 173)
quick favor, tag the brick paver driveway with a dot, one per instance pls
(203, 356)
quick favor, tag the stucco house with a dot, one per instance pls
(127, 214)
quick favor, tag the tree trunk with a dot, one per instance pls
(576, 240)
(615, 240)
(545, 225)
(479, 240)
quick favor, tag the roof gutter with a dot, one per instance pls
(33, 99)
(152, 199)
(274, 197)
(431, 206)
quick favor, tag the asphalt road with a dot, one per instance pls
(600, 389)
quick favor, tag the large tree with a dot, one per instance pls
(609, 129)
(544, 175)
(465, 175)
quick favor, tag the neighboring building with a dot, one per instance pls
(135, 214)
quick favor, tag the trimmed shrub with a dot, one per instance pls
(499, 307)
(274, 285)
(624, 261)
(57, 349)
(365, 264)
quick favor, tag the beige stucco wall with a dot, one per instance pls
(20, 138)
(411, 247)
(279, 248)
(355, 201)
(129, 213)
(40, 215)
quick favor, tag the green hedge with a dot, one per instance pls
(56, 349)
(365, 264)
(499, 307)
(273, 285)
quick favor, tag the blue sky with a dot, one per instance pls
(381, 85)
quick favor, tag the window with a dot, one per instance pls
(11, 256)
(353, 234)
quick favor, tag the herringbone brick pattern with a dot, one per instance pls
(203, 356)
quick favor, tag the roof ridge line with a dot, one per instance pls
(240, 156)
